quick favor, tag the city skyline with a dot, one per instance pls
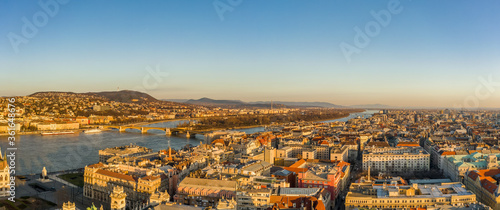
(428, 54)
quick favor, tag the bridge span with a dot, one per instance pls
(168, 131)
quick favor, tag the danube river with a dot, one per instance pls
(58, 153)
(365, 114)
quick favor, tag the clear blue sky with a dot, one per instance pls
(432, 53)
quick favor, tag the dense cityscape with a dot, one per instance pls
(391, 158)
(249, 105)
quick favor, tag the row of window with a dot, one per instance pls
(316, 186)
(315, 182)
(395, 163)
(402, 159)
(403, 201)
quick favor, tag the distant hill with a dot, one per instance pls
(234, 103)
(213, 102)
(126, 96)
(227, 103)
(305, 104)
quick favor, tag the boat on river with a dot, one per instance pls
(57, 133)
(90, 131)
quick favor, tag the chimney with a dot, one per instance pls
(369, 173)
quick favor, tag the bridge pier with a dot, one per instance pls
(143, 130)
(121, 129)
(168, 132)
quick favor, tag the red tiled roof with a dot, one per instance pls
(324, 142)
(408, 144)
(97, 165)
(221, 141)
(116, 175)
(483, 173)
(343, 163)
(490, 179)
(288, 201)
(490, 172)
(473, 175)
(486, 184)
(149, 178)
(378, 144)
(298, 163)
(318, 138)
(448, 153)
(296, 170)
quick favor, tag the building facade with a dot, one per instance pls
(138, 183)
(255, 199)
(455, 166)
(391, 159)
(4, 176)
(204, 192)
(367, 195)
(485, 185)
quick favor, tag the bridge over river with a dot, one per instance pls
(168, 131)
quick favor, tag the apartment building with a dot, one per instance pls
(368, 195)
(396, 159)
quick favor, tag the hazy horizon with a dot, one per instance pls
(425, 53)
(296, 100)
